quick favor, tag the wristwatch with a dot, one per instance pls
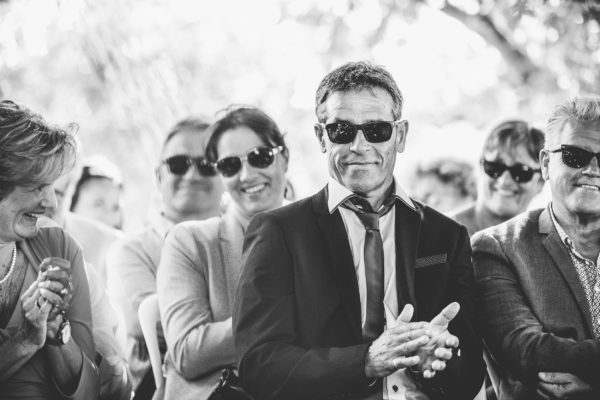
(63, 335)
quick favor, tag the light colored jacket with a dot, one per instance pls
(196, 282)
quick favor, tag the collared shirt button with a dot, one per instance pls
(395, 387)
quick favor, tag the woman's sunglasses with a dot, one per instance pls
(575, 156)
(345, 132)
(179, 165)
(520, 173)
(259, 157)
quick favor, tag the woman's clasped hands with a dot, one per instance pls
(47, 298)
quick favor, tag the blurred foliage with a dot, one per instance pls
(127, 70)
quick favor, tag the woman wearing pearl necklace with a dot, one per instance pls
(46, 344)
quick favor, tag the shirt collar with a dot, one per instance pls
(564, 237)
(339, 194)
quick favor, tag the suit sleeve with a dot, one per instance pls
(198, 344)
(513, 333)
(272, 363)
(464, 373)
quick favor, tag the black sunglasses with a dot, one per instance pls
(345, 132)
(259, 157)
(179, 165)
(520, 173)
(575, 156)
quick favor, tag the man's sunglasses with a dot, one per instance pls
(520, 173)
(345, 132)
(259, 157)
(575, 156)
(179, 165)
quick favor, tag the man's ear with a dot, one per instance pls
(401, 133)
(158, 175)
(319, 134)
(544, 163)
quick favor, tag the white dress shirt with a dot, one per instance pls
(399, 385)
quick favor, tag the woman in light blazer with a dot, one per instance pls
(201, 260)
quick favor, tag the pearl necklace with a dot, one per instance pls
(12, 265)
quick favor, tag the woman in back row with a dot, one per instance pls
(201, 260)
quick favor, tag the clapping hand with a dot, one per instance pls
(438, 350)
(395, 348)
(54, 282)
(35, 315)
(562, 385)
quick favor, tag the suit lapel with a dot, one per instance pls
(408, 227)
(231, 238)
(563, 262)
(339, 257)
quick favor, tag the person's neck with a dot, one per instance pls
(195, 216)
(6, 251)
(377, 197)
(484, 218)
(582, 229)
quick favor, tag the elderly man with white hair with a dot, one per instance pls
(537, 274)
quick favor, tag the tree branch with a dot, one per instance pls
(485, 27)
(385, 21)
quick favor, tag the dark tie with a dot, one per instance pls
(373, 254)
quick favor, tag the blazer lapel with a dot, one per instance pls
(231, 237)
(562, 260)
(339, 257)
(408, 227)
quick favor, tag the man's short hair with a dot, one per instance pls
(356, 76)
(190, 124)
(577, 111)
(512, 134)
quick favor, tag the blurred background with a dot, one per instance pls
(125, 71)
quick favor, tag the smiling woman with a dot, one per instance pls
(201, 260)
(508, 176)
(44, 297)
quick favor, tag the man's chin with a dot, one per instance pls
(360, 186)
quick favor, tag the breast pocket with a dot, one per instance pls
(436, 259)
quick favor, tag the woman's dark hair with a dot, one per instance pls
(32, 152)
(249, 117)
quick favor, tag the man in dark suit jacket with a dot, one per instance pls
(305, 300)
(537, 274)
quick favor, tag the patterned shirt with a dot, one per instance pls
(589, 275)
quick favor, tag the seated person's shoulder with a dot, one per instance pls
(433, 219)
(290, 213)
(51, 237)
(513, 232)
(79, 223)
(195, 230)
(465, 216)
